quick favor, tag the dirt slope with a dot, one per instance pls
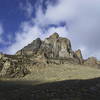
(62, 72)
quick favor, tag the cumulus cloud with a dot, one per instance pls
(62, 30)
(82, 18)
(85, 31)
(82, 26)
(24, 36)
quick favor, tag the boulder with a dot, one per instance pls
(91, 61)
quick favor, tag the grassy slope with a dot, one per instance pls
(62, 72)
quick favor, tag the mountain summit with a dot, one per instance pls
(53, 47)
(54, 50)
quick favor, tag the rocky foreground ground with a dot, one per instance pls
(49, 70)
(67, 82)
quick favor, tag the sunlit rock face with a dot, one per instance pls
(60, 47)
(52, 47)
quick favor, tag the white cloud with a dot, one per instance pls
(23, 37)
(30, 32)
(81, 16)
(62, 30)
(63, 11)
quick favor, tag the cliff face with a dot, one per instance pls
(53, 47)
(58, 46)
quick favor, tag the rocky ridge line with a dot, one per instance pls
(52, 50)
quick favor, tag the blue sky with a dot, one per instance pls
(12, 14)
(21, 21)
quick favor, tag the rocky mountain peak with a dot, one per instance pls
(53, 47)
(54, 35)
(52, 50)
